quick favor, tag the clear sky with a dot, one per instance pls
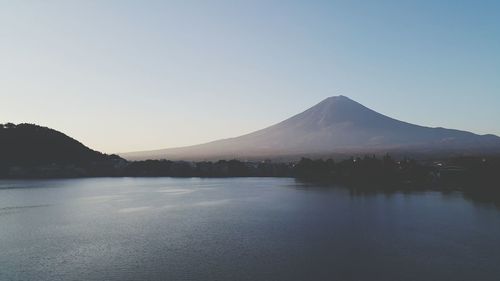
(138, 75)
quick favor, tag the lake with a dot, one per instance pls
(240, 229)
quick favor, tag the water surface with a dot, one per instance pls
(239, 229)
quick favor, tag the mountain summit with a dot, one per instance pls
(336, 125)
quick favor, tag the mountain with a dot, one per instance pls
(335, 126)
(28, 150)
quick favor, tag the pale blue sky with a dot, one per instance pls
(138, 75)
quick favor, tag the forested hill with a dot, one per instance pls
(28, 149)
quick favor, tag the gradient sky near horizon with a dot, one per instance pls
(138, 75)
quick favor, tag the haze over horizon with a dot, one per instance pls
(123, 76)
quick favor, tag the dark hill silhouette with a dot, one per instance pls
(29, 150)
(337, 125)
(33, 144)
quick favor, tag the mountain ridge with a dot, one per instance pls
(28, 150)
(336, 125)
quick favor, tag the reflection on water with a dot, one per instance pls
(240, 229)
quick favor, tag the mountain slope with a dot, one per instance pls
(32, 144)
(31, 151)
(335, 125)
